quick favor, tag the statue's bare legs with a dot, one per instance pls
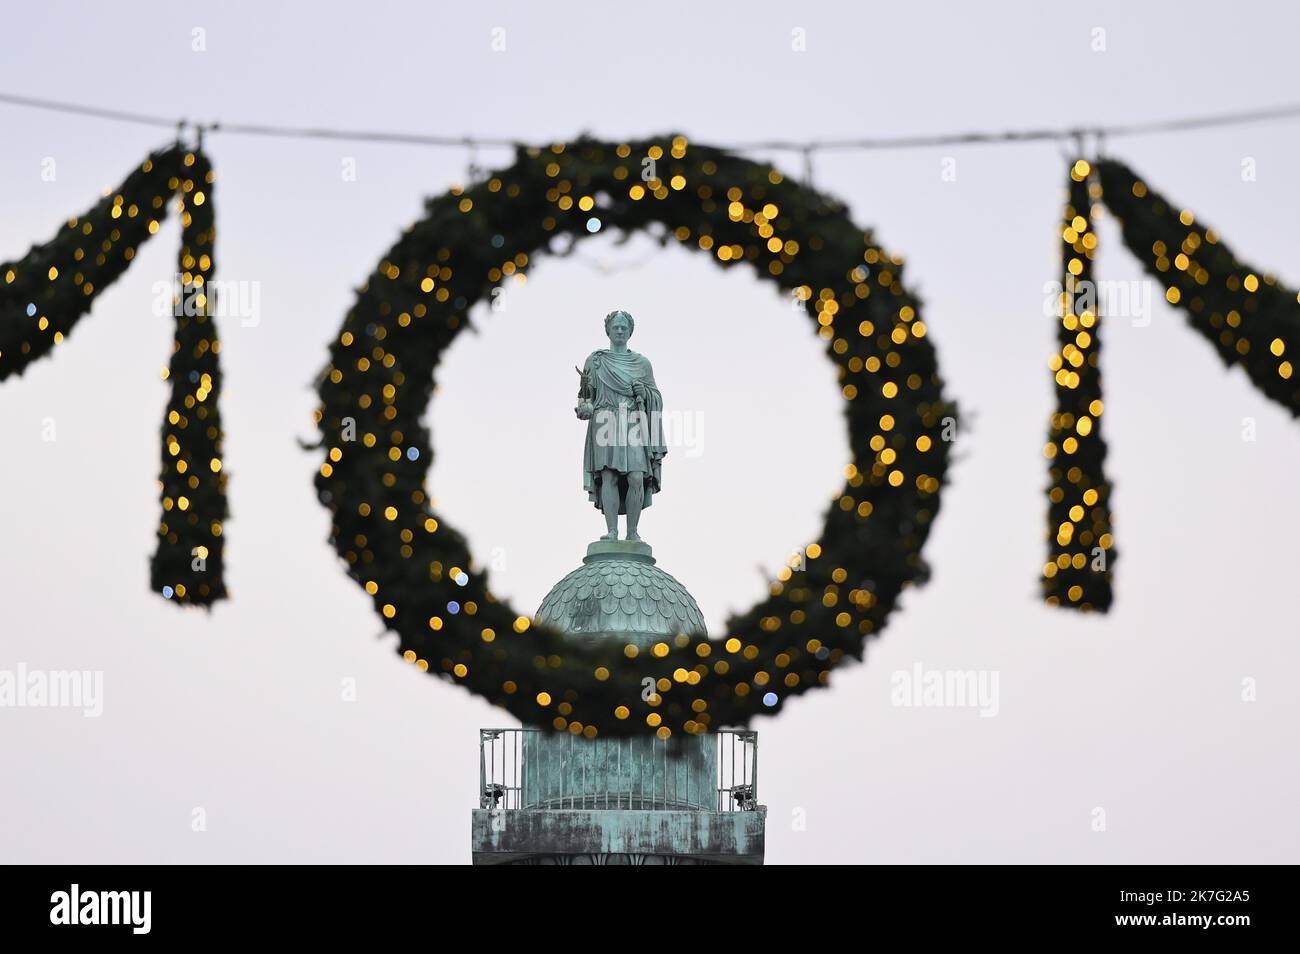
(635, 497)
(609, 502)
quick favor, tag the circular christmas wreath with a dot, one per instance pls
(418, 569)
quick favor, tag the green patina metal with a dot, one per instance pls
(637, 800)
(618, 838)
(619, 593)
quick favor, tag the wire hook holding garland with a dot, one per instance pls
(474, 172)
(197, 129)
(808, 166)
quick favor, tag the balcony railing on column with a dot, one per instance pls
(526, 768)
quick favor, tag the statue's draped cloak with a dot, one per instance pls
(621, 435)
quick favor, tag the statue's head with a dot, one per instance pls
(619, 325)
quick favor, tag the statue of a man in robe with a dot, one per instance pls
(623, 409)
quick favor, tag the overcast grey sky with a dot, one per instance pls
(238, 713)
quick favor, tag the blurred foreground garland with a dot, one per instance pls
(1252, 321)
(188, 565)
(377, 387)
(418, 569)
(45, 294)
(1081, 551)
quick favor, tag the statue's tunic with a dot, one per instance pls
(622, 435)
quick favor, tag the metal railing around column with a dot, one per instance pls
(526, 768)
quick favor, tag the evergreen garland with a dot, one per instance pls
(375, 391)
(45, 294)
(418, 570)
(1252, 320)
(187, 565)
(1081, 552)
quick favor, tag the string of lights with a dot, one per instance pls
(1098, 133)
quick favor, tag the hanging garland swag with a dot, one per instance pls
(417, 568)
(1249, 317)
(188, 564)
(45, 294)
(1081, 549)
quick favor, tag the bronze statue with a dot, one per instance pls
(621, 403)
